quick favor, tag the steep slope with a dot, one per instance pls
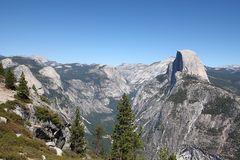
(190, 112)
(225, 77)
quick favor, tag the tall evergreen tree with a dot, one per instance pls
(98, 139)
(10, 80)
(22, 89)
(2, 72)
(77, 138)
(126, 141)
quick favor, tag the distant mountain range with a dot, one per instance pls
(179, 103)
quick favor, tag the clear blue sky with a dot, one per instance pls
(117, 31)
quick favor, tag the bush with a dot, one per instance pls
(44, 114)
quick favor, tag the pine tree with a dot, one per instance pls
(98, 139)
(22, 89)
(10, 80)
(2, 72)
(77, 139)
(126, 142)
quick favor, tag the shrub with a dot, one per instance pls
(44, 114)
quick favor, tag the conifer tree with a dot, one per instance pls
(126, 141)
(77, 139)
(22, 89)
(10, 80)
(98, 139)
(2, 72)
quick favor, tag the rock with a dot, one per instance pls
(136, 74)
(22, 113)
(18, 135)
(187, 62)
(44, 157)
(53, 77)
(7, 62)
(3, 120)
(187, 152)
(50, 144)
(60, 138)
(58, 150)
(39, 59)
(41, 133)
(30, 78)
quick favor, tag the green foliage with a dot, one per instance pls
(221, 105)
(10, 80)
(164, 154)
(77, 138)
(44, 98)
(34, 88)
(22, 89)
(179, 97)
(44, 114)
(126, 141)
(172, 157)
(98, 140)
(2, 71)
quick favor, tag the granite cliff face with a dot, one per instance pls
(190, 111)
(186, 61)
(174, 101)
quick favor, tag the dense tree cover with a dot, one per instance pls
(126, 141)
(77, 138)
(2, 71)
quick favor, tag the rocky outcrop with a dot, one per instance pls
(187, 152)
(3, 120)
(7, 62)
(30, 78)
(53, 76)
(187, 62)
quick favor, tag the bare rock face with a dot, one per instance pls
(183, 108)
(7, 62)
(187, 62)
(30, 78)
(53, 76)
(137, 74)
(187, 152)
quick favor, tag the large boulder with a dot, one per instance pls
(3, 120)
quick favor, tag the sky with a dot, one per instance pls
(121, 31)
